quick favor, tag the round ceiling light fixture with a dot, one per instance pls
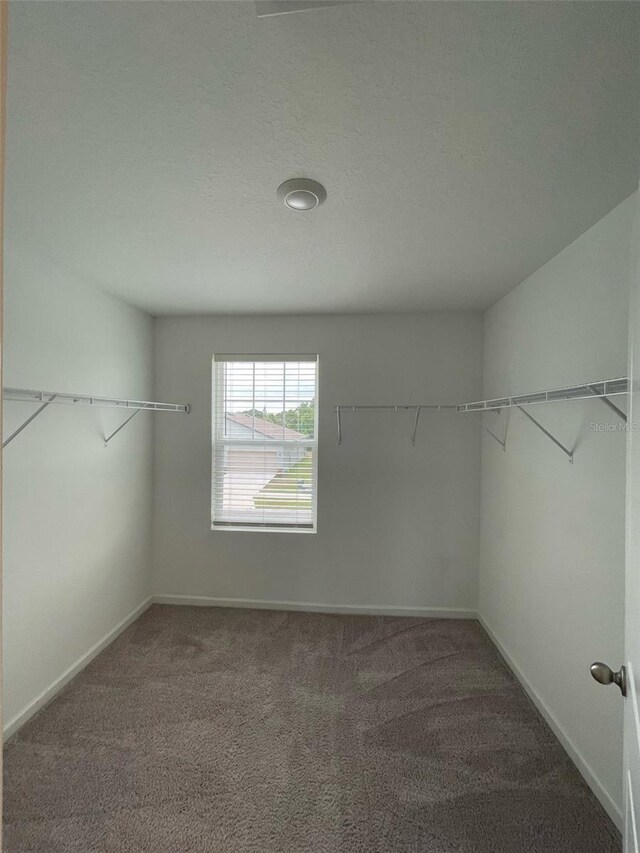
(301, 194)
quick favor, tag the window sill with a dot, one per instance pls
(241, 529)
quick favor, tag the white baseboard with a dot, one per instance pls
(585, 770)
(16, 722)
(319, 607)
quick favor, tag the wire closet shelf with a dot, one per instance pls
(47, 398)
(601, 389)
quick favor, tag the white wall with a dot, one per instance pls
(77, 515)
(398, 526)
(552, 536)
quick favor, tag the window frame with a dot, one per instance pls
(217, 400)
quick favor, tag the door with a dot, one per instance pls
(3, 82)
(632, 579)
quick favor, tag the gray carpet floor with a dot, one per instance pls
(240, 731)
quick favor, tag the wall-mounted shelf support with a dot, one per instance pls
(565, 450)
(608, 403)
(415, 427)
(29, 420)
(27, 395)
(122, 426)
(503, 444)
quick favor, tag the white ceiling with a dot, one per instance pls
(461, 144)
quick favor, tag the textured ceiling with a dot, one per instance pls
(461, 144)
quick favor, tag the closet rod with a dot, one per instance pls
(404, 407)
(396, 407)
(601, 389)
(28, 395)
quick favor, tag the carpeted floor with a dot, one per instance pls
(237, 731)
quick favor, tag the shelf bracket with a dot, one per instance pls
(415, 427)
(29, 420)
(608, 403)
(567, 452)
(503, 444)
(122, 426)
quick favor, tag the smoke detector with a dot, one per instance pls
(301, 194)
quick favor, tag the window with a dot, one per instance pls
(265, 425)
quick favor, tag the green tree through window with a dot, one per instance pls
(300, 419)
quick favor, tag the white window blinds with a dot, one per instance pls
(264, 442)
